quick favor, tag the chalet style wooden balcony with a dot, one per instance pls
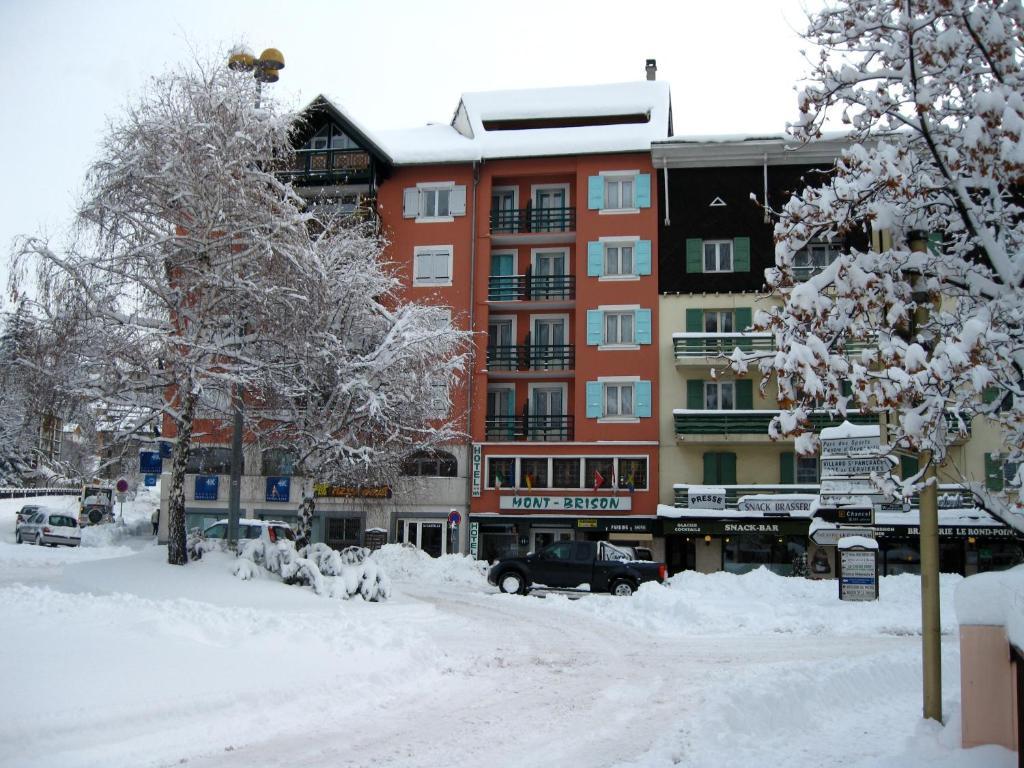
(533, 225)
(531, 358)
(329, 166)
(529, 287)
(529, 428)
(746, 425)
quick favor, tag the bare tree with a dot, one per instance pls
(197, 273)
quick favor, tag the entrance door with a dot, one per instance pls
(680, 554)
(427, 535)
(547, 417)
(549, 210)
(548, 280)
(501, 419)
(501, 353)
(548, 344)
(542, 537)
(503, 211)
(502, 286)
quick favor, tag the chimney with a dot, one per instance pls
(652, 69)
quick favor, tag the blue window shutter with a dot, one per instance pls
(643, 190)
(595, 394)
(643, 257)
(643, 326)
(643, 399)
(595, 326)
(595, 259)
(595, 193)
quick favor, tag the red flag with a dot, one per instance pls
(598, 479)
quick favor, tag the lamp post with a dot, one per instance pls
(265, 70)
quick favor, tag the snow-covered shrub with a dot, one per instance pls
(197, 544)
(326, 571)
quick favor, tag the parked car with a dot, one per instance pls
(50, 527)
(573, 564)
(96, 505)
(269, 530)
(25, 513)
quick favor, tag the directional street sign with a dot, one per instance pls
(852, 466)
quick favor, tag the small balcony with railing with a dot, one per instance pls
(531, 360)
(514, 226)
(329, 167)
(700, 348)
(951, 496)
(528, 427)
(553, 291)
(743, 425)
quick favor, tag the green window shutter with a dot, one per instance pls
(711, 469)
(694, 255)
(727, 467)
(595, 327)
(595, 193)
(989, 395)
(643, 257)
(846, 388)
(745, 395)
(935, 243)
(643, 399)
(642, 323)
(741, 254)
(694, 324)
(909, 466)
(643, 190)
(695, 394)
(787, 467)
(595, 394)
(993, 472)
(595, 259)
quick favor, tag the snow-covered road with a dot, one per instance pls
(115, 658)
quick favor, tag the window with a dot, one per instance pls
(618, 259)
(806, 470)
(599, 473)
(533, 473)
(210, 461)
(331, 137)
(434, 202)
(813, 258)
(440, 404)
(425, 464)
(618, 400)
(632, 473)
(432, 265)
(618, 328)
(343, 532)
(718, 322)
(618, 192)
(719, 395)
(719, 469)
(501, 472)
(565, 473)
(278, 462)
(718, 256)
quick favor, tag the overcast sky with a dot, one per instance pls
(72, 65)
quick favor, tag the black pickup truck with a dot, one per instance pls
(573, 564)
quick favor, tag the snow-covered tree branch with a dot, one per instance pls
(932, 93)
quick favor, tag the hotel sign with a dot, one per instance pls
(477, 469)
(526, 503)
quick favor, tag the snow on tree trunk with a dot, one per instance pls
(177, 536)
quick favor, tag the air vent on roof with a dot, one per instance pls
(525, 124)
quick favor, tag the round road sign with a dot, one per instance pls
(454, 518)
(122, 485)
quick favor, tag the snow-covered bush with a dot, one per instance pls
(326, 571)
(197, 544)
(408, 563)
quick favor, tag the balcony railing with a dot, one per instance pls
(531, 287)
(322, 165)
(532, 428)
(692, 346)
(950, 496)
(531, 357)
(726, 423)
(522, 221)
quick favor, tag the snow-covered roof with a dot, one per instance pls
(619, 117)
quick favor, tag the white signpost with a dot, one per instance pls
(858, 569)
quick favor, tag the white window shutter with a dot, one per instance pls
(411, 203)
(457, 200)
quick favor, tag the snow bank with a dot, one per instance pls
(761, 602)
(995, 598)
(406, 563)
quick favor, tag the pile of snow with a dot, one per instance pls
(112, 534)
(407, 563)
(994, 599)
(761, 602)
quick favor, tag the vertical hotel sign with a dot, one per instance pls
(477, 468)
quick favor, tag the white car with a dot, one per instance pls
(50, 527)
(248, 528)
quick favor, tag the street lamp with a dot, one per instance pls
(265, 70)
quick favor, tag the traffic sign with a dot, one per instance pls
(122, 485)
(454, 518)
(855, 466)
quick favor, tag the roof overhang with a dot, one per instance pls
(712, 152)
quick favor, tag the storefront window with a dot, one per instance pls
(565, 473)
(602, 470)
(900, 556)
(633, 473)
(746, 552)
(997, 555)
(501, 473)
(533, 473)
(497, 541)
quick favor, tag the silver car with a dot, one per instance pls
(50, 527)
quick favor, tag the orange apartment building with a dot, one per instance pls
(533, 216)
